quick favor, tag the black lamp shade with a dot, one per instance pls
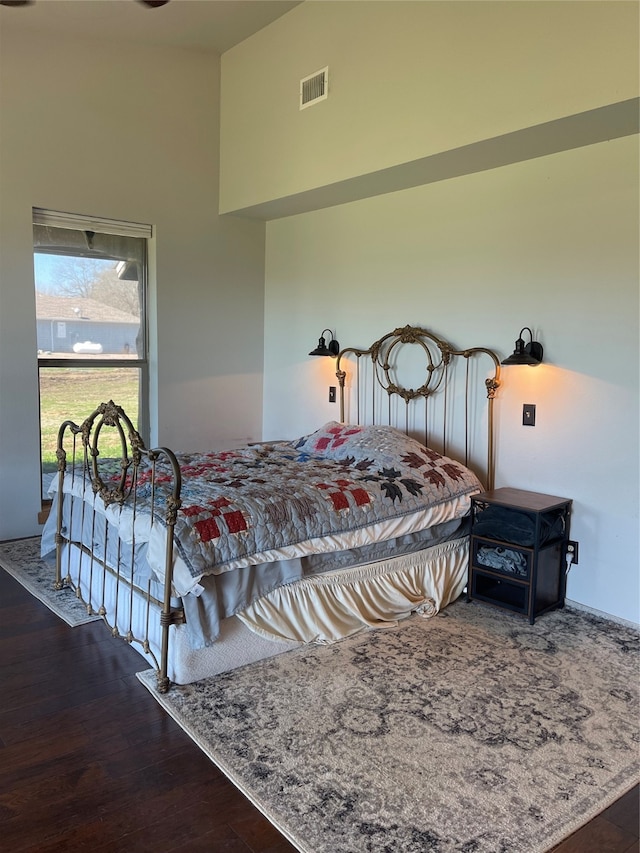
(530, 353)
(332, 349)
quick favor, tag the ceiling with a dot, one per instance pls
(215, 25)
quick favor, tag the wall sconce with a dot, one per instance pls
(322, 349)
(530, 353)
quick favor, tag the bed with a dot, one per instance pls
(206, 561)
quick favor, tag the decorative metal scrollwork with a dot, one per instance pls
(115, 478)
(440, 356)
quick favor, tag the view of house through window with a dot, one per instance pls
(91, 323)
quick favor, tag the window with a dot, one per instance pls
(91, 285)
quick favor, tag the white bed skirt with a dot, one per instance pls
(321, 609)
(328, 607)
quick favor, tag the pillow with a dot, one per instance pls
(389, 456)
(329, 441)
(384, 444)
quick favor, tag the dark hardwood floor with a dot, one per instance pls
(143, 785)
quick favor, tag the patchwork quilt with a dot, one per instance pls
(339, 487)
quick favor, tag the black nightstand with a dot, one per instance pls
(517, 550)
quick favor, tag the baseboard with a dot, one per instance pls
(617, 619)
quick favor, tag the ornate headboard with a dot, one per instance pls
(445, 399)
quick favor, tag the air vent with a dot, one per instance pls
(314, 88)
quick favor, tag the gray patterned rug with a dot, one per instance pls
(21, 559)
(472, 732)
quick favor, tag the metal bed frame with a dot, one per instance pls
(383, 398)
(440, 357)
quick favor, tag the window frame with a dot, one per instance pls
(139, 362)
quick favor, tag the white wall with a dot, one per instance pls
(409, 80)
(553, 244)
(126, 133)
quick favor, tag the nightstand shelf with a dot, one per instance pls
(517, 550)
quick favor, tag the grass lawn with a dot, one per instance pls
(72, 393)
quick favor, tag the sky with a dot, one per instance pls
(53, 270)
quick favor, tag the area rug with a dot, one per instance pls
(472, 732)
(21, 559)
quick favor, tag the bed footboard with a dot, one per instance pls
(106, 475)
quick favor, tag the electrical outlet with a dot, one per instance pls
(572, 549)
(332, 393)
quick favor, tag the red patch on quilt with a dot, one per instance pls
(339, 500)
(142, 478)
(193, 510)
(336, 437)
(361, 496)
(207, 529)
(340, 490)
(220, 503)
(235, 521)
